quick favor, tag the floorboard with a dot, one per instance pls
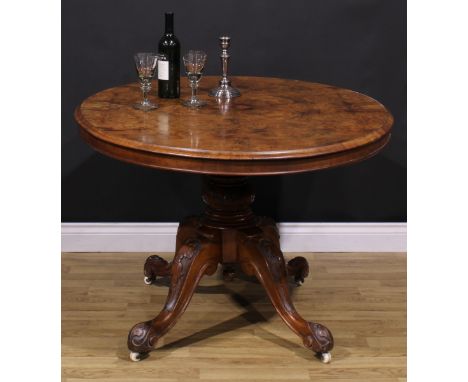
(230, 331)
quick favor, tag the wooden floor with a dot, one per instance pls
(230, 331)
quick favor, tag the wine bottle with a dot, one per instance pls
(169, 69)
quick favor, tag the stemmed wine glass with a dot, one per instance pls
(146, 64)
(194, 62)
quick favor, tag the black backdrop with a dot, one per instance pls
(357, 44)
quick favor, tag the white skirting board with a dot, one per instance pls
(295, 237)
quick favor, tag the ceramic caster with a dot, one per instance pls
(325, 357)
(135, 357)
(299, 282)
(147, 281)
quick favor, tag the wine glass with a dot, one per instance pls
(194, 62)
(146, 64)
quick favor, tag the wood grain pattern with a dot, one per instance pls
(276, 126)
(231, 332)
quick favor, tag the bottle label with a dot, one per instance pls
(163, 70)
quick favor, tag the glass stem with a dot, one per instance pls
(194, 91)
(145, 88)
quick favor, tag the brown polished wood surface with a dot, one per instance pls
(276, 126)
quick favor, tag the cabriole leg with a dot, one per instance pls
(195, 257)
(260, 255)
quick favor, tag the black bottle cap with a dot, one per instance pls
(169, 22)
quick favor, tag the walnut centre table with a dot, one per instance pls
(276, 126)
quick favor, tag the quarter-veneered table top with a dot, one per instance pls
(276, 126)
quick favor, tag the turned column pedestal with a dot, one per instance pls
(227, 233)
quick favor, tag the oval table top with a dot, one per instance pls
(276, 126)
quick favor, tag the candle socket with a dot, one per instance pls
(224, 90)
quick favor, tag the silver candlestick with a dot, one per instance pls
(224, 90)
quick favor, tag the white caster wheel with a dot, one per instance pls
(135, 357)
(325, 357)
(298, 283)
(147, 281)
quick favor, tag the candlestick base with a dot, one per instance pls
(224, 91)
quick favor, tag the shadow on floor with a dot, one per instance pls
(251, 293)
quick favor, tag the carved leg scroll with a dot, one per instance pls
(299, 269)
(261, 256)
(195, 257)
(156, 266)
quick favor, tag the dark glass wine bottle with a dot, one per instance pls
(169, 71)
